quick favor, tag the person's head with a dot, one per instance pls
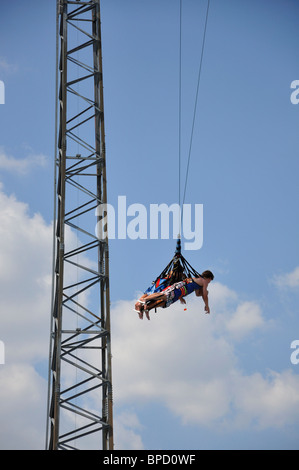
(177, 273)
(208, 275)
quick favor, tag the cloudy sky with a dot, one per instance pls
(183, 380)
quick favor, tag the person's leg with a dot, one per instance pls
(148, 298)
(140, 302)
(161, 302)
(148, 302)
(155, 296)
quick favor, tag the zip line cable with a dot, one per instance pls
(195, 104)
(180, 103)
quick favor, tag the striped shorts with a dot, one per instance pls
(175, 292)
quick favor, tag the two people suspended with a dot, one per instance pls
(174, 292)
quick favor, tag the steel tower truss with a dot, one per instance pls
(80, 383)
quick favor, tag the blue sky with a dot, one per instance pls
(184, 380)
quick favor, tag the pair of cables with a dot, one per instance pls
(195, 102)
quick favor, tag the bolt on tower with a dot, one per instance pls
(80, 378)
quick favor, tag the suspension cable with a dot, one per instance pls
(196, 99)
(180, 103)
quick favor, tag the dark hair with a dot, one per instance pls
(208, 275)
(177, 274)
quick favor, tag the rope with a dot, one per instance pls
(180, 103)
(196, 100)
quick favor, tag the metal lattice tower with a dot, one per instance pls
(80, 378)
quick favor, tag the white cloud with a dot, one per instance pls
(126, 432)
(22, 407)
(271, 401)
(287, 280)
(25, 280)
(21, 166)
(246, 318)
(187, 360)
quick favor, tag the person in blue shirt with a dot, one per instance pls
(174, 292)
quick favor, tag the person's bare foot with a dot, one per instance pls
(140, 313)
